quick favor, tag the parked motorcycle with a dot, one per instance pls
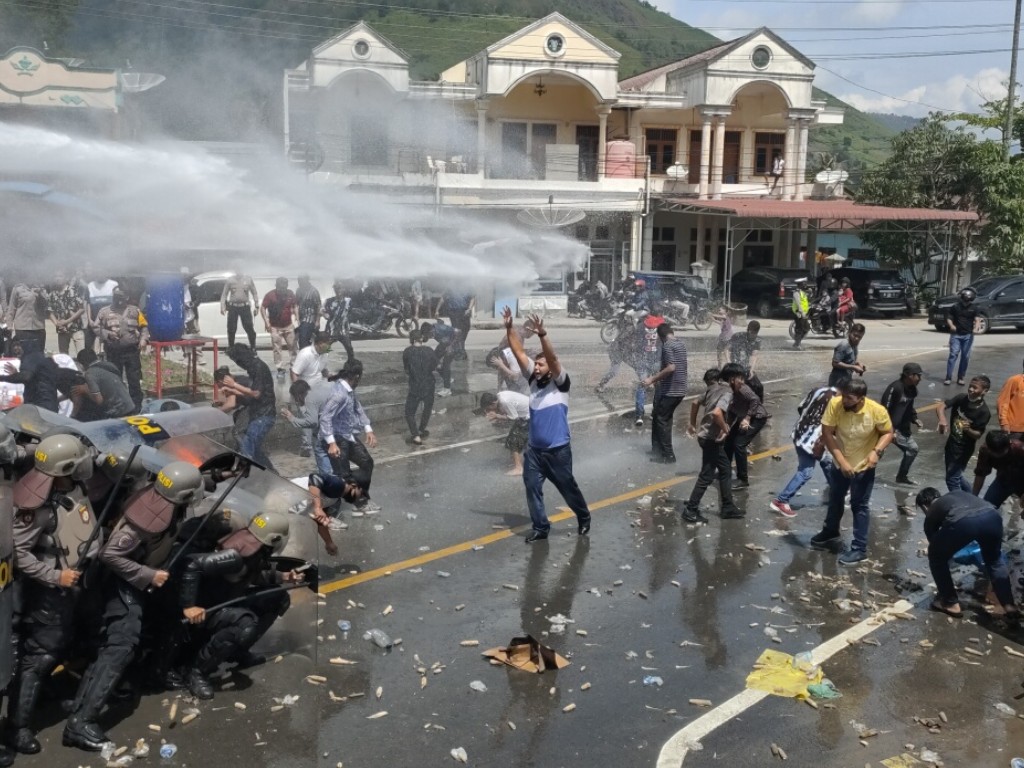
(591, 303)
(623, 321)
(821, 323)
(375, 321)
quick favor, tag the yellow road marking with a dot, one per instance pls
(563, 514)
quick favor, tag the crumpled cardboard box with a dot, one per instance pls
(527, 654)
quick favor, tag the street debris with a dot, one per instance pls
(1004, 709)
(779, 752)
(569, 708)
(700, 702)
(653, 680)
(377, 715)
(379, 638)
(478, 686)
(469, 643)
(782, 675)
(313, 680)
(527, 654)
(338, 661)
(459, 755)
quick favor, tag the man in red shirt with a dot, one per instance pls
(278, 311)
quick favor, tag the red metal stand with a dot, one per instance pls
(193, 345)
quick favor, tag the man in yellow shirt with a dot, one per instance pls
(855, 431)
(1010, 406)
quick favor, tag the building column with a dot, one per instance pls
(602, 139)
(717, 168)
(647, 256)
(801, 160)
(700, 238)
(481, 137)
(636, 236)
(705, 157)
(791, 160)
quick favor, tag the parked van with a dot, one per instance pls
(206, 292)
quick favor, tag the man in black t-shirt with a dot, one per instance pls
(962, 316)
(898, 400)
(969, 416)
(258, 398)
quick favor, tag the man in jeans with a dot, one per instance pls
(898, 400)
(856, 431)
(669, 390)
(548, 454)
(341, 419)
(969, 416)
(234, 302)
(809, 447)
(961, 319)
(259, 399)
(711, 437)
(952, 522)
(747, 415)
(278, 311)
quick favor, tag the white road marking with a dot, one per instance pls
(675, 749)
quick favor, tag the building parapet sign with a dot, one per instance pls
(28, 78)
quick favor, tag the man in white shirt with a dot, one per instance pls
(513, 408)
(308, 367)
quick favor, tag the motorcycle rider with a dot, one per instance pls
(48, 571)
(239, 563)
(801, 308)
(135, 554)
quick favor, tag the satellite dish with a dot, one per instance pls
(677, 172)
(137, 82)
(550, 217)
(832, 181)
(832, 177)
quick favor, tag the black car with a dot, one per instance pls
(999, 302)
(877, 290)
(766, 290)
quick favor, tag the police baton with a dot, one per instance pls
(85, 546)
(253, 596)
(244, 472)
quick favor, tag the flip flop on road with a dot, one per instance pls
(939, 607)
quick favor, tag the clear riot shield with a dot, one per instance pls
(6, 575)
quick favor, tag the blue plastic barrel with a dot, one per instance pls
(165, 307)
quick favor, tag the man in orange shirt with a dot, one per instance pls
(1010, 406)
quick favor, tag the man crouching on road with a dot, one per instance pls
(548, 454)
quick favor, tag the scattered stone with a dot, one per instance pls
(700, 702)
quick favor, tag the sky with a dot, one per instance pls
(860, 46)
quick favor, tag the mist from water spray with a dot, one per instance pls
(157, 205)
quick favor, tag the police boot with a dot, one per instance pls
(81, 729)
(6, 757)
(199, 684)
(20, 737)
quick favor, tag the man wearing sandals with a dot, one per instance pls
(952, 522)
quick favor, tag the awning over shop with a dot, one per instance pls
(827, 214)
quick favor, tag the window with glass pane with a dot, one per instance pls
(766, 146)
(661, 148)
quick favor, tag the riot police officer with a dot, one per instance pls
(238, 566)
(136, 553)
(47, 499)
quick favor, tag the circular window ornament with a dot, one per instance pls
(554, 45)
(761, 57)
(361, 49)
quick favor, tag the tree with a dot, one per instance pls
(931, 166)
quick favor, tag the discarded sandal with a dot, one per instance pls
(946, 609)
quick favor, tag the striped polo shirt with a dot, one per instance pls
(549, 412)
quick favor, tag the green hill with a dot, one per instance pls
(224, 61)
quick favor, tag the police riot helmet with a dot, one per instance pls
(62, 456)
(968, 295)
(112, 466)
(8, 445)
(271, 529)
(180, 483)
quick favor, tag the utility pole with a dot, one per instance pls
(1008, 127)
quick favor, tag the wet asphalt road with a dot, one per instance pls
(647, 596)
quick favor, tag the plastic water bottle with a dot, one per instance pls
(168, 751)
(345, 626)
(653, 680)
(379, 638)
